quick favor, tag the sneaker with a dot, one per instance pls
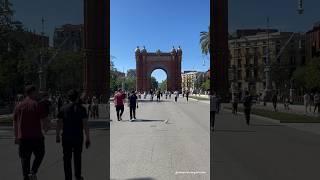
(130, 119)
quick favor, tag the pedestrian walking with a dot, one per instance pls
(218, 103)
(274, 101)
(73, 121)
(151, 95)
(28, 118)
(119, 104)
(311, 101)
(158, 95)
(187, 95)
(213, 109)
(133, 105)
(60, 102)
(247, 103)
(306, 102)
(265, 100)
(316, 102)
(176, 95)
(95, 107)
(235, 101)
(286, 102)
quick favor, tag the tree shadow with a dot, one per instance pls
(98, 124)
(147, 120)
(234, 130)
(154, 101)
(266, 125)
(142, 178)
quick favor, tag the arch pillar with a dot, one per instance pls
(96, 52)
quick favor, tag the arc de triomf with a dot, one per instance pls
(147, 62)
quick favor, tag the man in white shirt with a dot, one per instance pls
(306, 101)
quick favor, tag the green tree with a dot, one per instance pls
(309, 75)
(154, 83)
(300, 76)
(312, 76)
(206, 85)
(130, 83)
(66, 72)
(163, 85)
(205, 42)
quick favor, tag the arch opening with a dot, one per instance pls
(158, 79)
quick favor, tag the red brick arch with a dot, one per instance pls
(147, 62)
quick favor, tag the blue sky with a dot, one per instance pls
(159, 25)
(55, 13)
(283, 14)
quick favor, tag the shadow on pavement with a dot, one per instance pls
(235, 130)
(154, 101)
(142, 178)
(147, 120)
(275, 125)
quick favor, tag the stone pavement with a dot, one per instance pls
(262, 151)
(295, 109)
(167, 141)
(95, 159)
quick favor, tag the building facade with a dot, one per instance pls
(249, 55)
(313, 42)
(192, 80)
(147, 62)
(69, 37)
(187, 80)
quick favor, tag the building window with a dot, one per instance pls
(239, 74)
(265, 60)
(255, 60)
(247, 73)
(264, 50)
(239, 63)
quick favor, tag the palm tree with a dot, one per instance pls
(205, 42)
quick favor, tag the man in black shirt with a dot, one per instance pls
(133, 103)
(247, 103)
(73, 120)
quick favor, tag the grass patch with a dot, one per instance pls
(6, 121)
(199, 98)
(283, 117)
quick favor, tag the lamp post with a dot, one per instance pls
(267, 68)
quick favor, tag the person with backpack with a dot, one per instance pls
(133, 104)
(247, 103)
(73, 121)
